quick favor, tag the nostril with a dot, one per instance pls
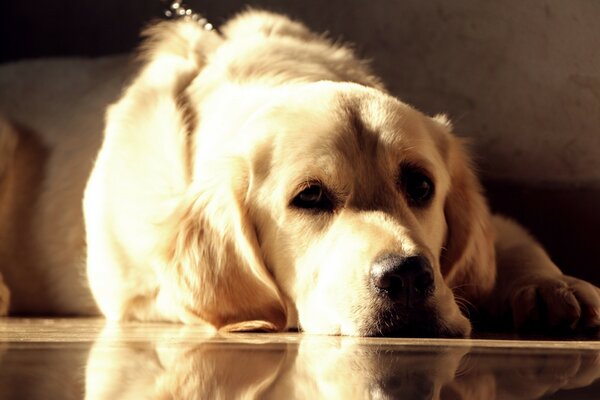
(383, 278)
(423, 281)
(402, 278)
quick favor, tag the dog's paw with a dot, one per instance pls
(4, 298)
(559, 305)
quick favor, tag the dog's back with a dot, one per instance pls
(51, 121)
(272, 48)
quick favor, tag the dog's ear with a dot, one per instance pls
(213, 260)
(468, 260)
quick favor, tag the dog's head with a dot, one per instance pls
(333, 208)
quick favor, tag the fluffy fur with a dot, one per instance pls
(188, 210)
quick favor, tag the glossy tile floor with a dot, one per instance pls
(79, 358)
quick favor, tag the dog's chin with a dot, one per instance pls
(417, 323)
(423, 331)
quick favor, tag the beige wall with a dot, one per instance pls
(522, 77)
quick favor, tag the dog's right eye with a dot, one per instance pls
(313, 197)
(417, 186)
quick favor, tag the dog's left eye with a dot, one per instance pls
(313, 197)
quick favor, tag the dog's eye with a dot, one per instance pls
(313, 197)
(417, 186)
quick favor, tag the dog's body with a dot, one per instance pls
(259, 179)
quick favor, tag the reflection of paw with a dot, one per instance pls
(561, 304)
(4, 298)
(538, 375)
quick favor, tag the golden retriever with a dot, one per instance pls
(256, 179)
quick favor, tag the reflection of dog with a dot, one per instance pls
(196, 365)
(259, 179)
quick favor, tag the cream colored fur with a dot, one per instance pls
(187, 194)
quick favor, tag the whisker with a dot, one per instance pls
(465, 306)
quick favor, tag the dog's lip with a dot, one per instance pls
(422, 331)
(422, 322)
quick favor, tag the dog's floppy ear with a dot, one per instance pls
(468, 260)
(213, 258)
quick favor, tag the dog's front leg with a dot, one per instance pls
(533, 292)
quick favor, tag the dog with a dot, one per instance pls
(257, 179)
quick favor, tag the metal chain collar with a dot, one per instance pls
(175, 9)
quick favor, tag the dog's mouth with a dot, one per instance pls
(416, 322)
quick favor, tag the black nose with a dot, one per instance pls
(402, 279)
